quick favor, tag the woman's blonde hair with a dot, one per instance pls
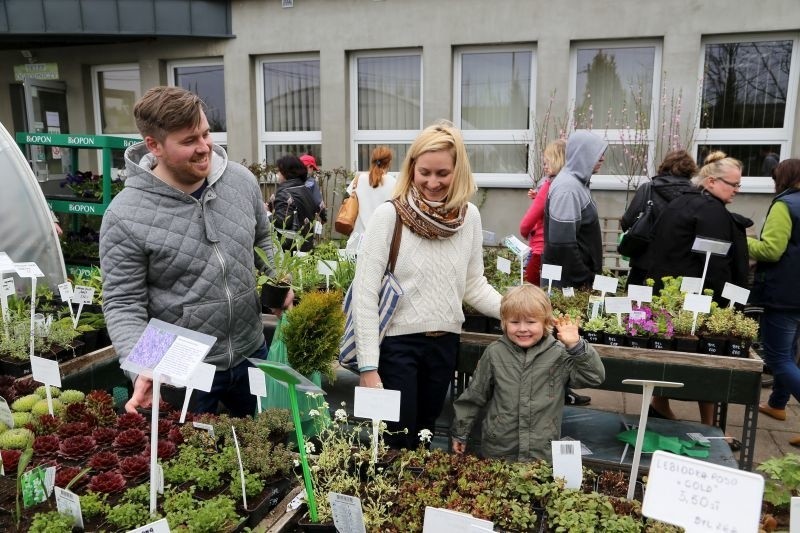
(442, 135)
(555, 153)
(527, 301)
(379, 165)
(713, 166)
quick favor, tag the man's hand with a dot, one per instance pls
(142, 394)
(370, 378)
(288, 303)
(568, 331)
(459, 447)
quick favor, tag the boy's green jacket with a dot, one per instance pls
(524, 394)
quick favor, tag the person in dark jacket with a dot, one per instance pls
(778, 256)
(701, 212)
(673, 179)
(571, 223)
(293, 208)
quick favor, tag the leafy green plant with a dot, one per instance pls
(782, 479)
(128, 515)
(682, 323)
(721, 321)
(253, 485)
(93, 504)
(312, 333)
(745, 327)
(285, 265)
(597, 323)
(51, 522)
(213, 515)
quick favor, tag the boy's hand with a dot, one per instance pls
(459, 447)
(568, 331)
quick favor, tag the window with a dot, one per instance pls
(116, 89)
(493, 107)
(615, 89)
(289, 116)
(386, 94)
(206, 79)
(747, 103)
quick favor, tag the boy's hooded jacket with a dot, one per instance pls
(571, 223)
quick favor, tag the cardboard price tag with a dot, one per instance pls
(68, 503)
(65, 291)
(83, 295)
(567, 462)
(348, 516)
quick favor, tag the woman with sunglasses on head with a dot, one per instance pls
(702, 212)
(778, 256)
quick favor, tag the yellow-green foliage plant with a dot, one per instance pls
(312, 333)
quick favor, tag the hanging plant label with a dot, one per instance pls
(348, 516)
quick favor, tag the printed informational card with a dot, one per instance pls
(567, 462)
(83, 295)
(518, 247)
(377, 404)
(34, 489)
(68, 503)
(348, 516)
(701, 496)
(446, 521)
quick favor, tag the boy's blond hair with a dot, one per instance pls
(527, 301)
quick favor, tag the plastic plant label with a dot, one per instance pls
(701, 496)
(567, 462)
(640, 293)
(68, 503)
(258, 382)
(317, 227)
(618, 304)
(377, 404)
(605, 283)
(518, 247)
(327, 268)
(551, 272)
(794, 515)
(735, 293)
(34, 489)
(595, 305)
(446, 521)
(5, 414)
(159, 478)
(697, 303)
(489, 238)
(712, 246)
(6, 264)
(347, 514)
(203, 376)
(159, 526)
(65, 291)
(8, 288)
(690, 284)
(28, 270)
(49, 479)
(45, 371)
(569, 292)
(241, 467)
(504, 265)
(83, 295)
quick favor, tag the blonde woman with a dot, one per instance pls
(439, 265)
(372, 189)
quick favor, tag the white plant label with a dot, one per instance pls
(203, 376)
(697, 303)
(489, 238)
(159, 526)
(28, 270)
(504, 265)
(258, 382)
(5, 414)
(637, 315)
(327, 268)
(567, 462)
(711, 246)
(180, 359)
(6, 264)
(446, 521)
(83, 295)
(701, 496)
(569, 292)
(8, 287)
(159, 478)
(605, 283)
(45, 371)
(317, 227)
(551, 272)
(735, 293)
(65, 291)
(794, 515)
(348, 516)
(518, 247)
(618, 305)
(377, 404)
(49, 479)
(68, 503)
(595, 305)
(692, 285)
(640, 293)
(241, 467)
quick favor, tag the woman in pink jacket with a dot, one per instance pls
(532, 224)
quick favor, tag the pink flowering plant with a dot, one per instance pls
(656, 323)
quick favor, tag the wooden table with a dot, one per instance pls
(710, 378)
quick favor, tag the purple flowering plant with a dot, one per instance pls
(656, 323)
(84, 184)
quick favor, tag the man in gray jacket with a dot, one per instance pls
(177, 244)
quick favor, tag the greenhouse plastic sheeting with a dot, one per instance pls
(27, 233)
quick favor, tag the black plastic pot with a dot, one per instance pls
(594, 337)
(273, 296)
(660, 343)
(713, 345)
(739, 348)
(686, 344)
(615, 339)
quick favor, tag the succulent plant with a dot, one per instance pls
(41, 407)
(104, 435)
(25, 387)
(102, 461)
(16, 439)
(71, 396)
(175, 435)
(46, 424)
(131, 421)
(75, 412)
(134, 466)
(10, 459)
(164, 427)
(6, 380)
(46, 445)
(77, 447)
(41, 391)
(129, 442)
(8, 393)
(22, 418)
(65, 474)
(166, 449)
(104, 415)
(25, 403)
(107, 482)
(73, 429)
(98, 398)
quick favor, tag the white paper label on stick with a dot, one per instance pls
(49, 479)
(551, 272)
(8, 288)
(713, 246)
(697, 303)
(377, 404)
(605, 283)
(180, 359)
(65, 291)
(258, 382)
(735, 293)
(83, 295)
(640, 293)
(446, 521)
(45, 371)
(569, 292)
(567, 462)
(794, 515)
(203, 376)
(516, 246)
(159, 526)
(690, 284)
(6, 264)
(28, 270)
(327, 268)
(68, 503)
(504, 265)
(347, 514)
(618, 304)
(701, 496)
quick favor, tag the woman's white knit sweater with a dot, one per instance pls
(436, 276)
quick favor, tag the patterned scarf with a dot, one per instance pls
(429, 220)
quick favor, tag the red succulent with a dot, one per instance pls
(75, 448)
(46, 424)
(99, 397)
(74, 412)
(166, 449)
(6, 380)
(130, 442)
(25, 387)
(164, 426)
(8, 393)
(46, 445)
(104, 435)
(134, 466)
(65, 474)
(175, 435)
(107, 482)
(131, 421)
(104, 461)
(10, 459)
(73, 429)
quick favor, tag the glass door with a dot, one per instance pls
(46, 113)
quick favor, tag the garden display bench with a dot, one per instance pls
(711, 378)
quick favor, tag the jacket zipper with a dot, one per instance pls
(230, 302)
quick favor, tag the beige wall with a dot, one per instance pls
(334, 28)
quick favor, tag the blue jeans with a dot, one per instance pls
(232, 388)
(780, 331)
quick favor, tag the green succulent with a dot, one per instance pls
(22, 418)
(51, 522)
(26, 403)
(41, 391)
(41, 408)
(3, 428)
(71, 396)
(16, 439)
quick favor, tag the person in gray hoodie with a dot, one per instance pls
(177, 243)
(571, 222)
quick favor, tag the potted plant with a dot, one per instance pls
(639, 328)
(593, 330)
(745, 332)
(717, 329)
(313, 331)
(684, 339)
(285, 266)
(662, 338)
(615, 334)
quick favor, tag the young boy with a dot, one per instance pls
(522, 377)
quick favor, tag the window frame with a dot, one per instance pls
(219, 137)
(751, 136)
(505, 137)
(273, 138)
(359, 137)
(613, 182)
(95, 70)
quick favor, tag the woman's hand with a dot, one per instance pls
(567, 329)
(531, 193)
(370, 378)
